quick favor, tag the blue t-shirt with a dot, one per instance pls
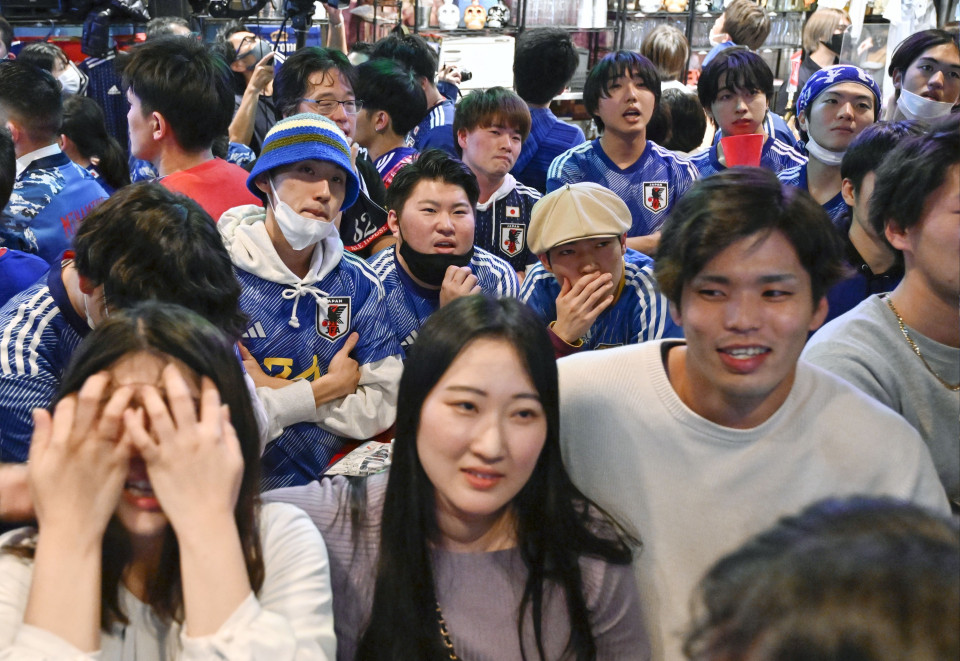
(776, 156)
(39, 331)
(549, 137)
(435, 131)
(354, 302)
(409, 304)
(649, 187)
(18, 270)
(836, 208)
(502, 222)
(50, 198)
(640, 312)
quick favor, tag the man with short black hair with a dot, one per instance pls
(144, 242)
(543, 65)
(903, 348)
(433, 131)
(51, 194)
(180, 102)
(431, 213)
(696, 444)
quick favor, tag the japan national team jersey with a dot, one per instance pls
(435, 131)
(649, 187)
(640, 312)
(39, 331)
(502, 222)
(836, 208)
(390, 163)
(409, 304)
(776, 156)
(353, 301)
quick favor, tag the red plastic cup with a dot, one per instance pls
(743, 149)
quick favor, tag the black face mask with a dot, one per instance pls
(431, 268)
(835, 43)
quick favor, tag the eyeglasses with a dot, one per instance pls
(327, 107)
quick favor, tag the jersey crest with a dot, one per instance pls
(512, 238)
(336, 323)
(655, 195)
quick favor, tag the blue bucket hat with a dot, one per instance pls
(303, 137)
(840, 73)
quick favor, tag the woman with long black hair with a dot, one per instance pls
(477, 545)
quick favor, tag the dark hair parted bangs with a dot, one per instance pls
(496, 106)
(387, 85)
(555, 523)
(736, 69)
(911, 173)
(145, 242)
(170, 331)
(290, 81)
(868, 149)
(612, 66)
(411, 51)
(913, 47)
(185, 82)
(738, 203)
(435, 165)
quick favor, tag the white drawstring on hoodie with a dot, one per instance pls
(299, 290)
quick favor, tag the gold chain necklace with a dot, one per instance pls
(913, 345)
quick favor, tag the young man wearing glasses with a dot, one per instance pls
(322, 81)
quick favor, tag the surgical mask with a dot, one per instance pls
(823, 154)
(914, 106)
(259, 49)
(71, 80)
(431, 269)
(299, 231)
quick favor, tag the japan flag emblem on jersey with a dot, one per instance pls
(513, 212)
(336, 322)
(512, 238)
(655, 195)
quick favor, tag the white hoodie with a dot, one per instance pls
(372, 408)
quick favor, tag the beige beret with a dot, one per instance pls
(576, 211)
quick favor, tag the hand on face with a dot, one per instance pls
(579, 305)
(193, 459)
(79, 458)
(262, 73)
(458, 281)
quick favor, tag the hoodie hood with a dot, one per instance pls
(508, 184)
(244, 234)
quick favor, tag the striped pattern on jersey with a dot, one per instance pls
(649, 187)
(390, 163)
(36, 342)
(409, 304)
(641, 313)
(501, 226)
(838, 210)
(435, 131)
(301, 453)
(775, 156)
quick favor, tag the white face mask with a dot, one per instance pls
(71, 79)
(914, 106)
(823, 154)
(299, 231)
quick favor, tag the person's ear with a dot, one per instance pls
(819, 314)
(158, 126)
(462, 138)
(846, 190)
(898, 237)
(802, 121)
(897, 79)
(393, 222)
(381, 121)
(623, 244)
(545, 260)
(675, 313)
(262, 183)
(85, 284)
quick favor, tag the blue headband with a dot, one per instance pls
(841, 73)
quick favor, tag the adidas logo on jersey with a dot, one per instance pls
(115, 91)
(255, 332)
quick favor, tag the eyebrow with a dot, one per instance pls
(440, 204)
(764, 279)
(484, 393)
(858, 97)
(933, 60)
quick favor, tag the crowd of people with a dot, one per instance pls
(761, 463)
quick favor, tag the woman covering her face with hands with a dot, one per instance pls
(151, 543)
(476, 545)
